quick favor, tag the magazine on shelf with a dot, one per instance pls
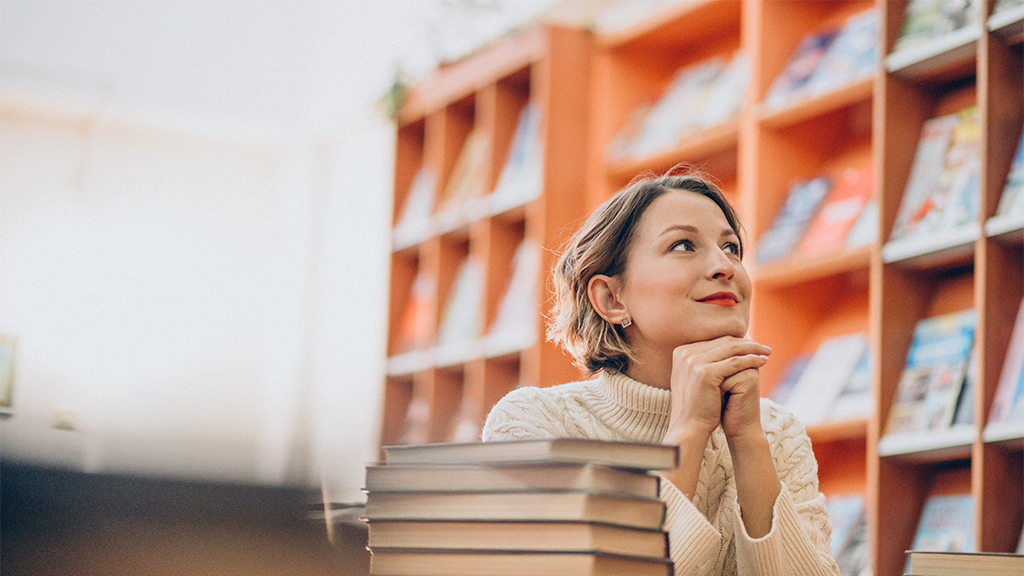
(825, 377)
(1008, 403)
(414, 223)
(515, 325)
(851, 55)
(958, 193)
(964, 414)
(843, 512)
(925, 20)
(521, 178)
(920, 197)
(463, 312)
(467, 181)
(1003, 5)
(841, 210)
(727, 93)
(933, 375)
(789, 377)
(853, 557)
(946, 524)
(791, 222)
(865, 230)
(1011, 202)
(801, 66)
(855, 400)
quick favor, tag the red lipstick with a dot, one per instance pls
(725, 299)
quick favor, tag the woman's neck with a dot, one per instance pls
(652, 368)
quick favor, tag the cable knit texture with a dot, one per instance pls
(706, 536)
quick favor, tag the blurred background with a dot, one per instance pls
(194, 231)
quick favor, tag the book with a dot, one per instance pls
(865, 230)
(964, 414)
(855, 399)
(826, 375)
(553, 506)
(433, 563)
(510, 478)
(618, 453)
(843, 512)
(462, 321)
(958, 192)
(802, 63)
(1003, 5)
(789, 377)
(925, 20)
(919, 197)
(727, 93)
(852, 55)
(853, 556)
(534, 537)
(1011, 202)
(514, 325)
(791, 222)
(843, 206)
(467, 180)
(933, 374)
(946, 524)
(415, 321)
(414, 223)
(924, 563)
(521, 178)
(957, 14)
(1008, 402)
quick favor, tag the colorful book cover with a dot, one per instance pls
(825, 377)
(957, 14)
(920, 22)
(1008, 403)
(919, 197)
(958, 195)
(829, 229)
(1012, 199)
(799, 68)
(791, 222)
(946, 524)
(850, 57)
(934, 373)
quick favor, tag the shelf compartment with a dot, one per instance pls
(670, 28)
(796, 271)
(714, 150)
(947, 57)
(953, 443)
(838, 431)
(950, 248)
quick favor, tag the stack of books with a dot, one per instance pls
(558, 506)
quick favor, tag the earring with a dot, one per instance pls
(626, 321)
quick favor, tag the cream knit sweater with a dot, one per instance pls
(706, 536)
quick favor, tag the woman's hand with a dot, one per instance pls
(703, 373)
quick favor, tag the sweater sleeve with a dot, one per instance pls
(798, 543)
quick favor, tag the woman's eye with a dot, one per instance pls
(683, 246)
(732, 248)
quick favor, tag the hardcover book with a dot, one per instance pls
(960, 563)
(619, 453)
(934, 373)
(792, 220)
(844, 205)
(503, 563)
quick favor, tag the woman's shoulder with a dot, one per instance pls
(532, 411)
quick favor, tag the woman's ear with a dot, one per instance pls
(602, 292)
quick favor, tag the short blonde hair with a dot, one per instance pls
(602, 246)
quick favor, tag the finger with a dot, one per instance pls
(722, 348)
(735, 381)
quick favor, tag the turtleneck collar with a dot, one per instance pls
(631, 408)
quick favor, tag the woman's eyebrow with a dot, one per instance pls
(683, 227)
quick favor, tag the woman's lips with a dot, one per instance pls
(724, 299)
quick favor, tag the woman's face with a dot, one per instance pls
(684, 281)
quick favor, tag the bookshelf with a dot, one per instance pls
(877, 288)
(511, 107)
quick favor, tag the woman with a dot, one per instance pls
(652, 296)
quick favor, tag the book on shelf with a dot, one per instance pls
(620, 453)
(933, 374)
(1011, 202)
(841, 210)
(414, 324)
(556, 476)
(521, 178)
(943, 173)
(413, 225)
(463, 315)
(855, 400)
(532, 506)
(790, 223)
(1008, 402)
(946, 524)
(826, 375)
(964, 413)
(515, 324)
(789, 377)
(467, 181)
(789, 85)
(503, 563)
(579, 537)
(865, 230)
(926, 20)
(701, 95)
(843, 512)
(1003, 5)
(924, 563)
(854, 555)
(851, 56)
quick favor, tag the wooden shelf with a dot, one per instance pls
(796, 271)
(855, 93)
(1008, 25)
(932, 446)
(949, 56)
(716, 146)
(838, 431)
